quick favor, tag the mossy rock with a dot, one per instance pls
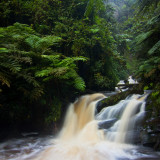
(114, 99)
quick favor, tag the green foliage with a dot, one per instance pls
(155, 48)
(155, 97)
(144, 46)
(62, 69)
(62, 47)
(144, 36)
(94, 7)
(55, 111)
(42, 44)
(145, 5)
(13, 60)
(28, 65)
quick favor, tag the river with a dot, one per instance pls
(110, 135)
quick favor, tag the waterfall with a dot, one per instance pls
(79, 115)
(85, 136)
(127, 120)
(128, 113)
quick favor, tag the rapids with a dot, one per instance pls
(85, 136)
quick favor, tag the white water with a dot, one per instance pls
(127, 112)
(80, 138)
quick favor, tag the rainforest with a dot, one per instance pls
(52, 51)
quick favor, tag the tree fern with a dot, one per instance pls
(40, 43)
(144, 36)
(154, 48)
(32, 40)
(62, 69)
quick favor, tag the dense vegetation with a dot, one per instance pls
(142, 28)
(53, 50)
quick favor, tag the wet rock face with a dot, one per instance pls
(106, 123)
(152, 125)
(116, 97)
(152, 133)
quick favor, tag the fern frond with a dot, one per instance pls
(66, 62)
(79, 83)
(36, 93)
(51, 57)
(12, 65)
(29, 78)
(44, 73)
(69, 61)
(142, 37)
(4, 80)
(33, 94)
(154, 48)
(32, 40)
(21, 28)
(20, 59)
(70, 74)
(80, 58)
(89, 8)
(48, 41)
(56, 72)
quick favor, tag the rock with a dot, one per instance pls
(115, 98)
(30, 134)
(106, 123)
(151, 134)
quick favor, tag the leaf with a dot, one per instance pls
(79, 83)
(51, 57)
(36, 93)
(32, 40)
(29, 78)
(89, 8)
(146, 87)
(154, 48)
(4, 80)
(56, 72)
(44, 72)
(94, 30)
(47, 41)
(142, 37)
(3, 50)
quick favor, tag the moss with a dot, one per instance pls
(114, 99)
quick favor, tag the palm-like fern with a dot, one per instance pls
(42, 44)
(62, 69)
(14, 59)
(20, 49)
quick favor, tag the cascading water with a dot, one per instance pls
(127, 113)
(80, 138)
(85, 136)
